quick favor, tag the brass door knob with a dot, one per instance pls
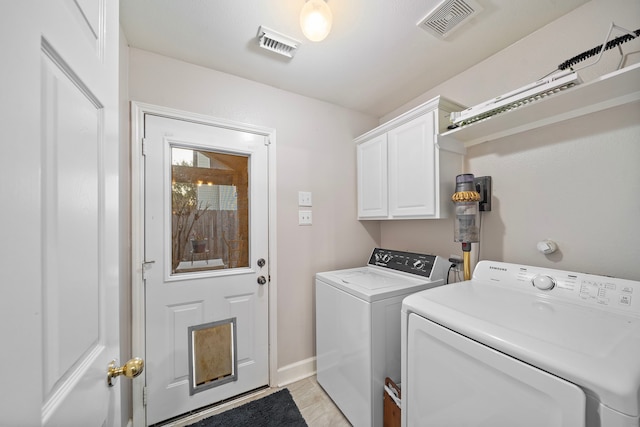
(131, 369)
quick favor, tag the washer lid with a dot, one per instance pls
(372, 284)
(371, 280)
(595, 349)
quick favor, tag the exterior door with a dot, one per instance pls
(59, 188)
(206, 280)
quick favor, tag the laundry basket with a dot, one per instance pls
(392, 401)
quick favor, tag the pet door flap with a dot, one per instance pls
(212, 355)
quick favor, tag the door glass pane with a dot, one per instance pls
(209, 210)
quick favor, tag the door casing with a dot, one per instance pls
(138, 110)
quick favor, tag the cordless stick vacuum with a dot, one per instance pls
(466, 225)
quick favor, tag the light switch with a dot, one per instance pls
(304, 198)
(304, 217)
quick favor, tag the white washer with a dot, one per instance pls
(523, 346)
(358, 327)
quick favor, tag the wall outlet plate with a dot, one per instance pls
(483, 186)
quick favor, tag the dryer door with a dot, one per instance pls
(451, 380)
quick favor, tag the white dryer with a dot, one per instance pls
(358, 327)
(523, 346)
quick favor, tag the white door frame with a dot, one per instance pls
(138, 110)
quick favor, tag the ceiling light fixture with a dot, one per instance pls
(316, 19)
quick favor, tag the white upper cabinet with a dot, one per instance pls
(403, 172)
(412, 166)
(372, 178)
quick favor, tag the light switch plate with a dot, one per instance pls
(304, 198)
(304, 217)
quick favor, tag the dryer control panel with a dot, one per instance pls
(423, 265)
(602, 291)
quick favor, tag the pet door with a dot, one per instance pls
(212, 355)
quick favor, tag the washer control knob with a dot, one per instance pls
(544, 283)
(419, 264)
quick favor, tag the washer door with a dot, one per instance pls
(451, 380)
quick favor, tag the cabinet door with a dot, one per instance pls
(412, 169)
(372, 178)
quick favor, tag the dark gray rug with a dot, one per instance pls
(275, 410)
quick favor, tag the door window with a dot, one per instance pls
(210, 210)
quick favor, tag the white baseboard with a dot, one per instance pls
(296, 371)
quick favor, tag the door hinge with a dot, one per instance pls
(145, 265)
(144, 396)
(144, 146)
(267, 140)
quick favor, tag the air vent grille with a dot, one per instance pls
(448, 16)
(277, 42)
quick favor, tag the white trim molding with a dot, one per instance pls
(296, 371)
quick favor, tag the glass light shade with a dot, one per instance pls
(315, 20)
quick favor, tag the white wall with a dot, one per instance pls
(575, 182)
(314, 153)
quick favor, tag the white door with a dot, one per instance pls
(453, 381)
(206, 232)
(60, 279)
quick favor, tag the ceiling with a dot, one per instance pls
(374, 60)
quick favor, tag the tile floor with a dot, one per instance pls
(316, 407)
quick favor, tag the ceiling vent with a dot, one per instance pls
(449, 16)
(277, 42)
